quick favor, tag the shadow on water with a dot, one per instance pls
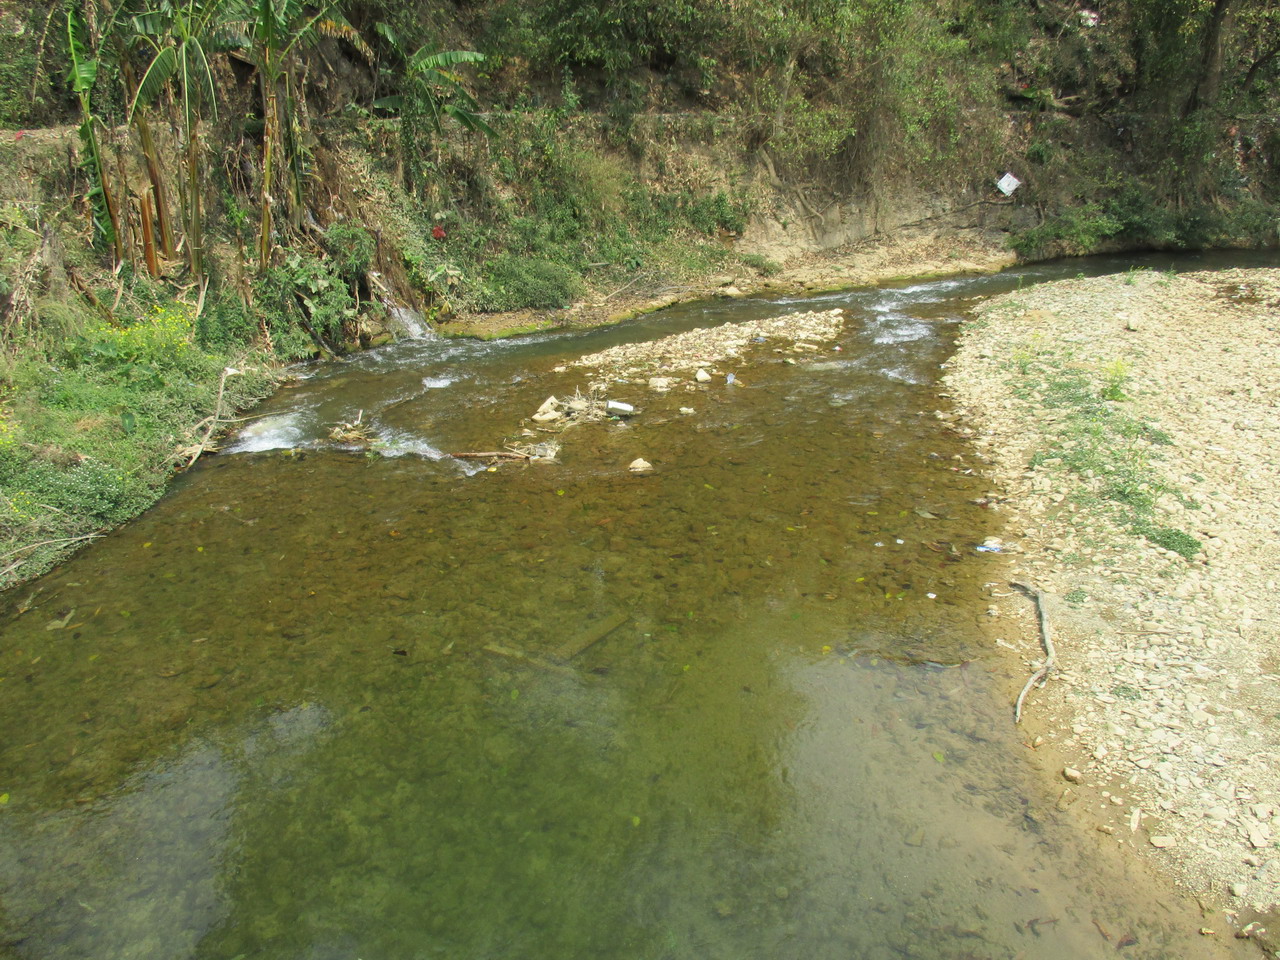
(318, 704)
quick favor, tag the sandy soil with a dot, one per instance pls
(1162, 716)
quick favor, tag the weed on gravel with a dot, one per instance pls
(1111, 451)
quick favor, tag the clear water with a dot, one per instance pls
(326, 704)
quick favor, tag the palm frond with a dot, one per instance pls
(471, 121)
(203, 77)
(84, 69)
(341, 30)
(424, 60)
(152, 23)
(160, 72)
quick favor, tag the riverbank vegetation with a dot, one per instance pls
(190, 184)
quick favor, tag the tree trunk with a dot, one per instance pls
(1208, 77)
(195, 233)
(269, 109)
(149, 156)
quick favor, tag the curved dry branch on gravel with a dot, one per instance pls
(1046, 638)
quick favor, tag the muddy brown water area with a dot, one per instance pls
(332, 703)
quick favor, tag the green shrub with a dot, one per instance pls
(352, 248)
(156, 351)
(714, 212)
(763, 264)
(225, 324)
(99, 494)
(305, 291)
(512, 282)
(1076, 230)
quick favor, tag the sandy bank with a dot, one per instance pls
(1132, 422)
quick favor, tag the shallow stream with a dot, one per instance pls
(333, 703)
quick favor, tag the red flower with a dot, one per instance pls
(437, 232)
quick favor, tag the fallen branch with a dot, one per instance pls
(521, 657)
(46, 543)
(492, 455)
(213, 421)
(592, 635)
(632, 282)
(1046, 638)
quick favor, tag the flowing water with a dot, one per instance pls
(333, 703)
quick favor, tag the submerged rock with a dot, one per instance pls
(549, 411)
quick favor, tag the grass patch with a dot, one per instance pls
(91, 429)
(1111, 451)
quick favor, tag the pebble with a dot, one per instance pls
(1072, 775)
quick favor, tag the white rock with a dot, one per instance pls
(1072, 775)
(1163, 841)
(702, 376)
(640, 465)
(550, 410)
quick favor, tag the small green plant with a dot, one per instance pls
(760, 263)
(1040, 151)
(1178, 541)
(1113, 453)
(1075, 596)
(1115, 376)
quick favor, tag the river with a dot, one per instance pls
(342, 703)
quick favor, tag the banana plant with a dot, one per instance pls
(433, 92)
(182, 34)
(276, 29)
(84, 73)
(124, 39)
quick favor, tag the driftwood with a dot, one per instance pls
(492, 455)
(520, 656)
(591, 636)
(1046, 638)
(213, 421)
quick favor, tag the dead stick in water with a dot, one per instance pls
(1045, 637)
(492, 455)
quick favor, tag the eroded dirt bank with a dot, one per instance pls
(1131, 424)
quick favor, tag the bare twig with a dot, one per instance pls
(632, 282)
(213, 421)
(1046, 638)
(46, 543)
